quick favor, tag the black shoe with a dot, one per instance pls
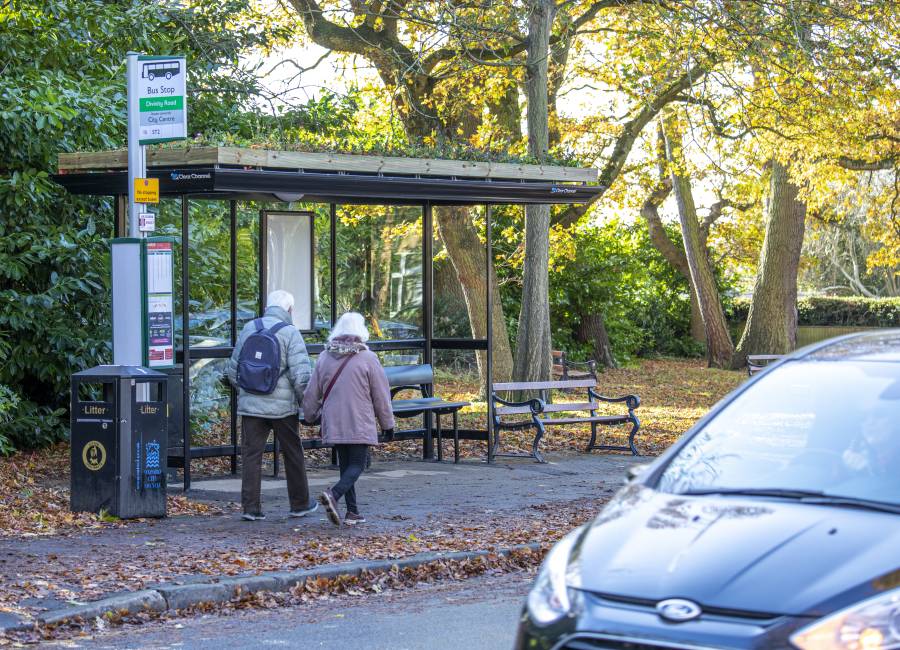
(305, 511)
(253, 516)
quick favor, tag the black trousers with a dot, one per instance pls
(254, 435)
(352, 461)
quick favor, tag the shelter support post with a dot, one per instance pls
(232, 213)
(332, 213)
(427, 325)
(489, 361)
(186, 340)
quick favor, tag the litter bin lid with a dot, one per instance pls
(135, 372)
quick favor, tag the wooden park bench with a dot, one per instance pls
(758, 362)
(564, 368)
(539, 411)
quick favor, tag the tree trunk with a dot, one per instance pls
(466, 252)
(533, 340)
(719, 348)
(592, 329)
(772, 321)
(673, 254)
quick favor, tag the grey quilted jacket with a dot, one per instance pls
(295, 371)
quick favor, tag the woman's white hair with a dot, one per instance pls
(280, 298)
(350, 324)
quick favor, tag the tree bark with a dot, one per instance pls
(719, 348)
(592, 329)
(532, 361)
(672, 253)
(466, 252)
(772, 321)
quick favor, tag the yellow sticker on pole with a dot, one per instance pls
(146, 190)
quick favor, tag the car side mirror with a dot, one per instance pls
(635, 471)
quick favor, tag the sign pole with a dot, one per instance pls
(137, 153)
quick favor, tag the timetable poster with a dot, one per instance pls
(160, 316)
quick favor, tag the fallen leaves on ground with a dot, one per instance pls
(311, 591)
(34, 498)
(89, 577)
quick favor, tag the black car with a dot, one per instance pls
(773, 523)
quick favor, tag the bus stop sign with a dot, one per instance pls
(162, 99)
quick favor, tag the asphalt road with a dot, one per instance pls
(472, 614)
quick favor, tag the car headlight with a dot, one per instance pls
(872, 624)
(548, 600)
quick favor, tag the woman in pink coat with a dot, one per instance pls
(350, 392)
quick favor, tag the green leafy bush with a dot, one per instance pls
(8, 402)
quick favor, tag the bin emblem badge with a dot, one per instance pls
(94, 455)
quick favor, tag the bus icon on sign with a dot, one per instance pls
(167, 69)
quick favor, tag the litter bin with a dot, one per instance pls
(119, 441)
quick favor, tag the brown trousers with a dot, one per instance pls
(254, 435)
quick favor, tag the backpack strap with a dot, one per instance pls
(277, 326)
(258, 322)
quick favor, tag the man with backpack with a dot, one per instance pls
(270, 368)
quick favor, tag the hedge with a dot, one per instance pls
(834, 311)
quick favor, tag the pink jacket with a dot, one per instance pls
(359, 397)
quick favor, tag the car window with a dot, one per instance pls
(807, 425)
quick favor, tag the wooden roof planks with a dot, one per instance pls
(325, 162)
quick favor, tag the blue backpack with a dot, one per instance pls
(259, 364)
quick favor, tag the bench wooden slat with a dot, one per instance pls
(548, 408)
(605, 419)
(512, 410)
(545, 385)
(563, 406)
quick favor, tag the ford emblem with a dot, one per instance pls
(678, 609)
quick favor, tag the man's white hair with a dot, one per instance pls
(280, 298)
(350, 324)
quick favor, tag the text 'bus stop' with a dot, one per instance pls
(291, 210)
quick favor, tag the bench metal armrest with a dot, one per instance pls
(536, 405)
(631, 401)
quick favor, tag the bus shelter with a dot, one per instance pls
(299, 206)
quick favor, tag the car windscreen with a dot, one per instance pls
(818, 426)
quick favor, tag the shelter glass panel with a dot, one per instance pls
(168, 223)
(247, 275)
(379, 268)
(209, 264)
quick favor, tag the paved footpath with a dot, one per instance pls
(403, 500)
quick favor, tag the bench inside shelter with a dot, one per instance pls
(419, 379)
(541, 414)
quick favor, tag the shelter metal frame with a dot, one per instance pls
(233, 184)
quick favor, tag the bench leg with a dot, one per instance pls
(455, 438)
(593, 437)
(440, 446)
(634, 430)
(539, 433)
(427, 441)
